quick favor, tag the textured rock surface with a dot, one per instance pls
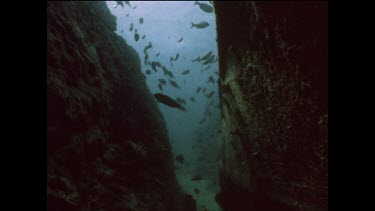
(108, 148)
(273, 89)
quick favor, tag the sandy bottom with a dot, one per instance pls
(205, 199)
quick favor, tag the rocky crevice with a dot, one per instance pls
(107, 146)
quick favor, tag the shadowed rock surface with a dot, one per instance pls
(273, 92)
(107, 146)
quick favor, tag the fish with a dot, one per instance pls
(148, 46)
(168, 101)
(165, 70)
(170, 74)
(192, 99)
(157, 64)
(211, 80)
(185, 72)
(153, 66)
(204, 89)
(205, 7)
(162, 81)
(134, 7)
(157, 54)
(180, 158)
(136, 37)
(146, 58)
(141, 20)
(143, 37)
(202, 120)
(127, 2)
(182, 38)
(127, 14)
(176, 57)
(210, 94)
(206, 68)
(173, 83)
(160, 87)
(209, 60)
(121, 3)
(208, 54)
(198, 89)
(216, 73)
(196, 177)
(197, 59)
(200, 25)
(131, 27)
(196, 190)
(148, 71)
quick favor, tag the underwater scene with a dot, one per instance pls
(187, 105)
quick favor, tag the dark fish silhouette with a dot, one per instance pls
(134, 7)
(121, 3)
(127, 2)
(192, 99)
(143, 37)
(168, 101)
(208, 54)
(209, 60)
(197, 59)
(148, 72)
(170, 74)
(147, 47)
(174, 59)
(180, 158)
(174, 84)
(182, 38)
(210, 94)
(165, 70)
(198, 89)
(141, 20)
(196, 190)
(185, 72)
(136, 37)
(157, 54)
(200, 25)
(204, 89)
(160, 87)
(131, 27)
(162, 81)
(205, 7)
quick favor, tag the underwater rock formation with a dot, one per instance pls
(107, 145)
(273, 59)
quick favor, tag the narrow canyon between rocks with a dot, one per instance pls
(187, 105)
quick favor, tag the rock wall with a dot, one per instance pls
(108, 148)
(273, 59)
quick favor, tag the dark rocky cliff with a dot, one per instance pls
(273, 89)
(108, 148)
